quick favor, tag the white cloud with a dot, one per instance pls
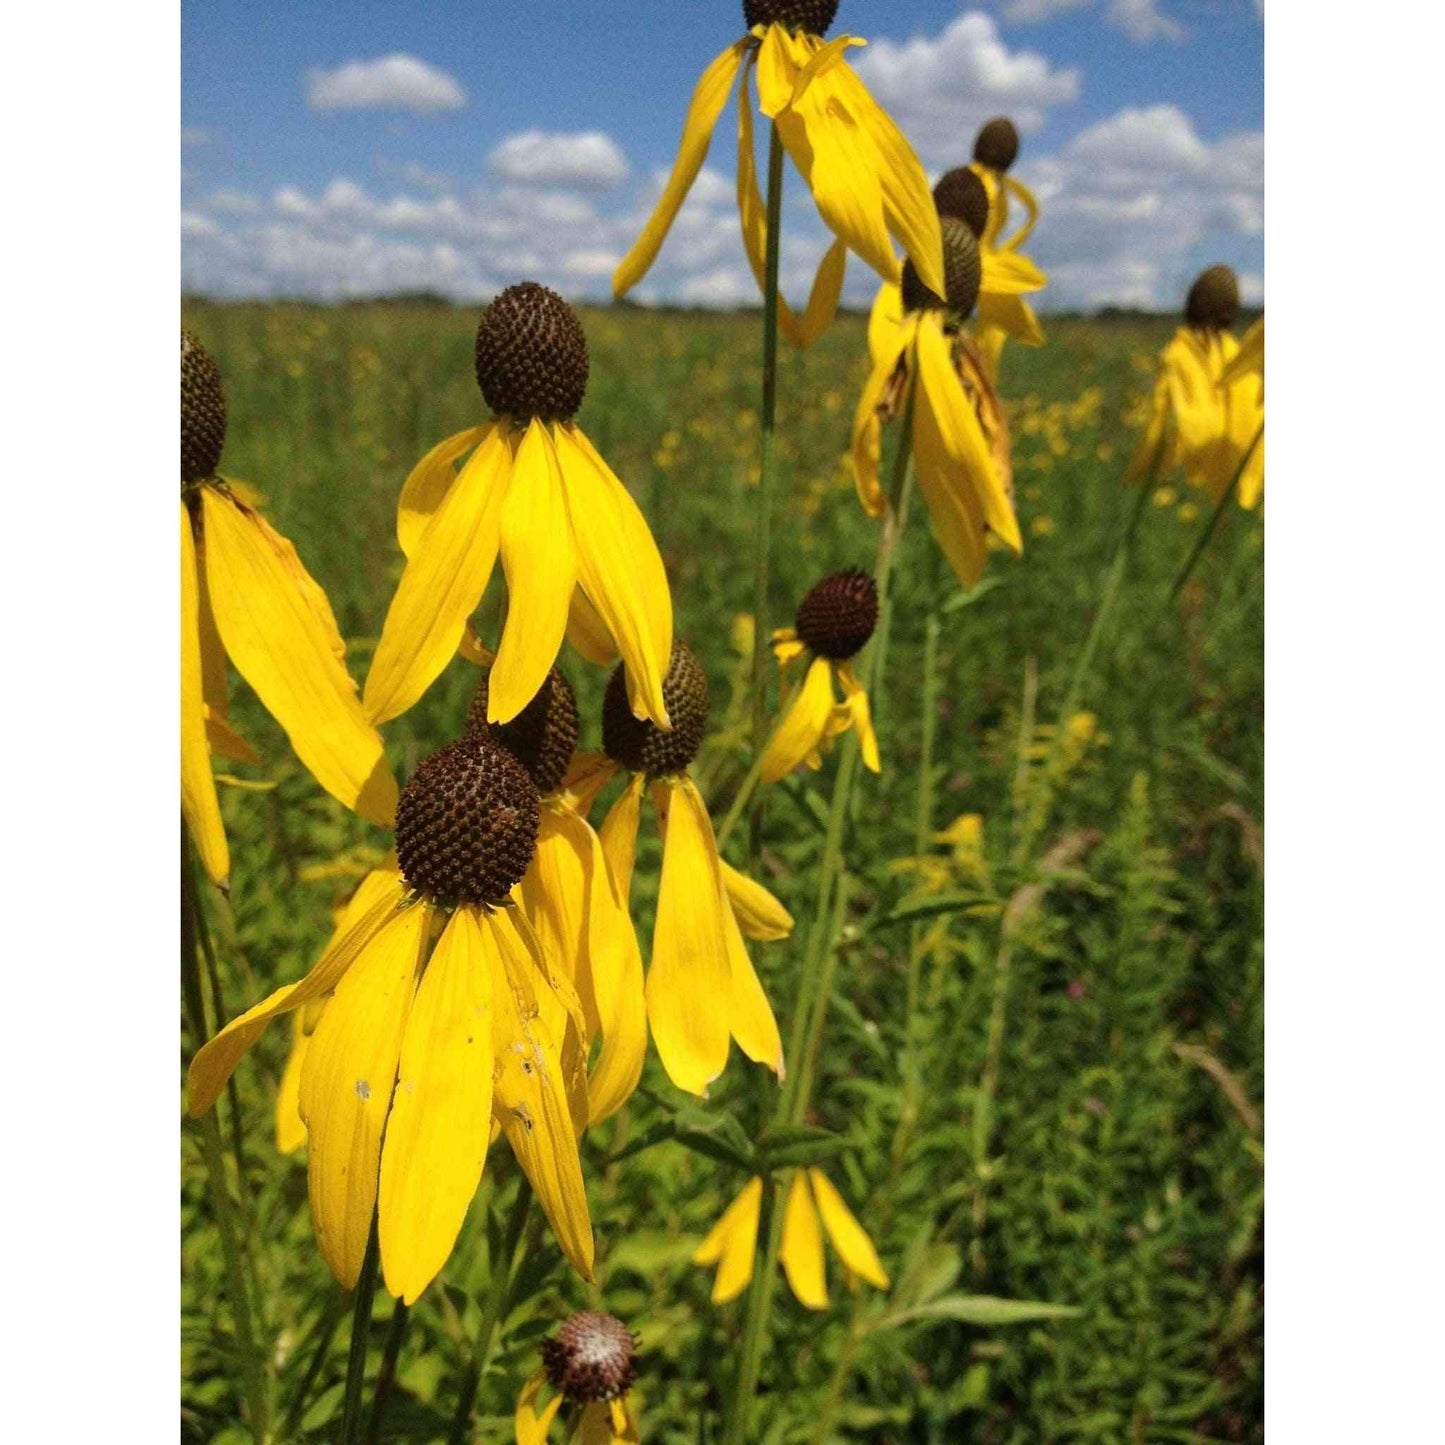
(941, 88)
(195, 136)
(393, 82)
(1031, 12)
(1140, 20)
(542, 158)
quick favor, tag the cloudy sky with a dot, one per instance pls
(459, 145)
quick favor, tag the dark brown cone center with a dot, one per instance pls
(531, 355)
(642, 746)
(592, 1358)
(838, 615)
(203, 411)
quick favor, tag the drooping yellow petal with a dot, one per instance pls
(688, 982)
(216, 1062)
(1007, 273)
(802, 1251)
(540, 561)
(428, 483)
(732, 1243)
(619, 834)
(953, 509)
(759, 914)
(1250, 356)
(867, 426)
(706, 105)
(441, 1114)
(620, 569)
(608, 1423)
(224, 740)
(587, 632)
(281, 635)
(199, 805)
(290, 1128)
(885, 316)
(588, 774)
(530, 1427)
(442, 583)
(804, 726)
(848, 1236)
(1010, 315)
(750, 1015)
(530, 1098)
(855, 698)
(1015, 187)
(346, 1087)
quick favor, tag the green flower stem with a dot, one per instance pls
(361, 1303)
(319, 1337)
(253, 1363)
(768, 422)
(386, 1376)
(815, 980)
(922, 835)
(1187, 570)
(745, 791)
(987, 1094)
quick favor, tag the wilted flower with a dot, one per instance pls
(590, 1362)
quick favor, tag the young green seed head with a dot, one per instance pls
(466, 823)
(838, 615)
(963, 195)
(962, 273)
(203, 411)
(592, 1358)
(542, 737)
(531, 355)
(812, 17)
(997, 145)
(1213, 300)
(642, 746)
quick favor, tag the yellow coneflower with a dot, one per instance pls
(246, 596)
(1206, 413)
(433, 1026)
(702, 989)
(1249, 359)
(922, 366)
(868, 184)
(576, 550)
(834, 622)
(733, 1241)
(590, 1362)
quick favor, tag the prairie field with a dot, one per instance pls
(1063, 1169)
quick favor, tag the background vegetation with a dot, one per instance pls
(1082, 1126)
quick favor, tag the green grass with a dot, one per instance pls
(1117, 1168)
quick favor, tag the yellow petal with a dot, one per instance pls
(346, 1087)
(759, 914)
(884, 319)
(805, 724)
(279, 631)
(750, 1015)
(199, 805)
(217, 1061)
(1006, 273)
(429, 482)
(702, 113)
(849, 1239)
(588, 774)
(531, 1097)
(441, 1114)
(688, 981)
(867, 428)
(529, 1427)
(855, 699)
(620, 569)
(290, 1130)
(587, 632)
(1250, 356)
(224, 740)
(619, 834)
(802, 1251)
(823, 298)
(732, 1243)
(1013, 186)
(442, 583)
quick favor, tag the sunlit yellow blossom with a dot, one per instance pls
(834, 622)
(919, 366)
(590, 1364)
(813, 1207)
(246, 596)
(868, 184)
(437, 999)
(576, 550)
(1206, 414)
(702, 989)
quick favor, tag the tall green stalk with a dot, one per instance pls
(360, 1332)
(1190, 562)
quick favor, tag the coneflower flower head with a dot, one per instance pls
(812, 17)
(1213, 300)
(962, 271)
(466, 824)
(997, 145)
(203, 411)
(591, 1359)
(962, 194)
(838, 615)
(641, 746)
(531, 355)
(542, 737)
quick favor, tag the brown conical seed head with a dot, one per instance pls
(203, 411)
(531, 355)
(962, 194)
(592, 1358)
(542, 737)
(812, 17)
(962, 273)
(1213, 300)
(997, 145)
(466, 823)
(644, 747)
(839, 614)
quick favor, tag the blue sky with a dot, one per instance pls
(335, 150)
